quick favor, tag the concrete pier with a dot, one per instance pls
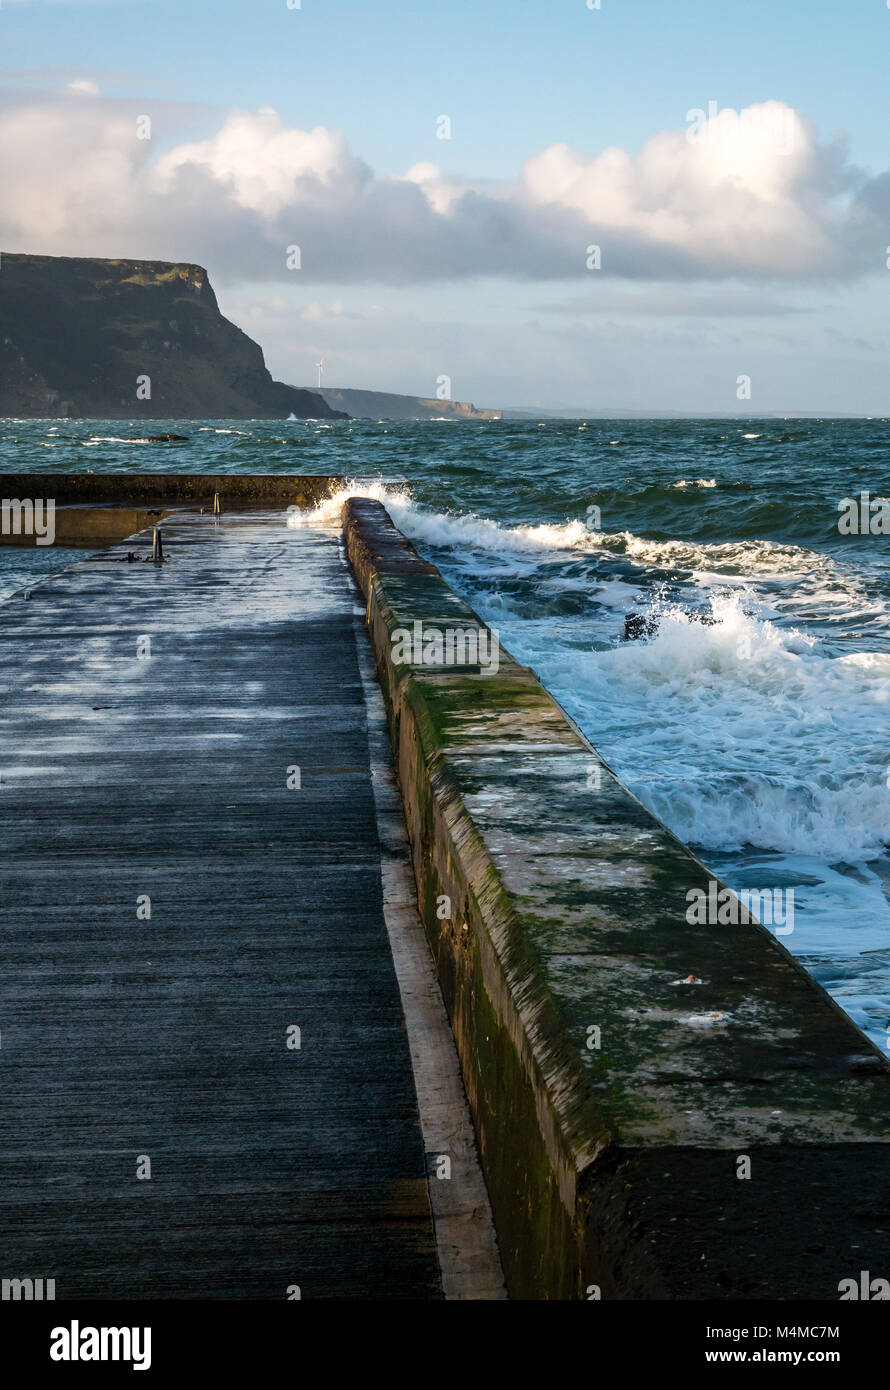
(205, 1067)
(227, 953)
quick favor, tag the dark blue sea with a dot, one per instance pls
(762, 738)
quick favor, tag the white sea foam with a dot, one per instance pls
(739, 733)
(737, 559)
(328, 512)
(743, 732)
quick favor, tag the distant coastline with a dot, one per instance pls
(387, 405)
(87, 338)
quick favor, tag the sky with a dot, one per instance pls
(671, 206)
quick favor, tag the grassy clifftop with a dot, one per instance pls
(78, 335)
(383, 405)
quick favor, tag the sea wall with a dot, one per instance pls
(95, 509)
(170, 489)
(664, 1109)
(89, 527)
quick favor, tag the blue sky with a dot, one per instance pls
(516, 78)
(514, 74)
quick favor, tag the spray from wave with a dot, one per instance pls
(763, 559)
(741, 733)
(735, 733)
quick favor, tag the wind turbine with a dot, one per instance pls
(320, 366)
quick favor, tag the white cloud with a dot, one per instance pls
(751, 195)
(757, 198)
(266, 167)
(83, 87)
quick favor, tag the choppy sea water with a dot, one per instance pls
(763, 738)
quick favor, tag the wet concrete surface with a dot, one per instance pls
(125, 776)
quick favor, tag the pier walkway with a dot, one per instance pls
(206, 1073)
(226, 954)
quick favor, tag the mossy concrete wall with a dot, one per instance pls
(93, 509)
(170, 489)
(723, 1131)
(92, 526)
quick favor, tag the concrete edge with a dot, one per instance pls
(469, 1261)
(171, 489)
(552, 1152)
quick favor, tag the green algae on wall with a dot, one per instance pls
(567, 917)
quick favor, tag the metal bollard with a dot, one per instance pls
(157, 549)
